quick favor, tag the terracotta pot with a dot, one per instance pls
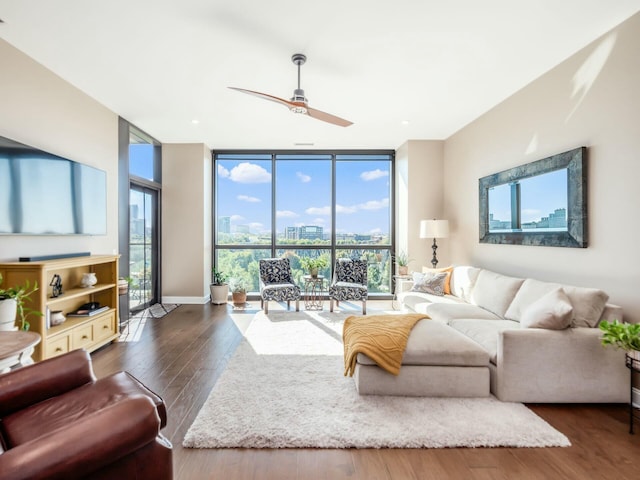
(403, 270)
(239, 298)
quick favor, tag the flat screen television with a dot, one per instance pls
(44, 194)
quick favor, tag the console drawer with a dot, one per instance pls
(58, 345)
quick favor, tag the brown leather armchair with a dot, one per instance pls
(58, 421)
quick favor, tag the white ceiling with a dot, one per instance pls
(437, 65)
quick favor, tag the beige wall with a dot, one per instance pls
(419, 196)
(186, 223)
(42, 110)
(591, 99)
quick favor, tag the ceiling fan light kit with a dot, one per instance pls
(298, 102)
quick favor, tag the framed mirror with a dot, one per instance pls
(541, 203)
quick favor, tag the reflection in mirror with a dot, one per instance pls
(535, 203)
(540, 203)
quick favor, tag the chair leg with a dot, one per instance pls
(364, 307)
(266, 306)
(331, 305)
(288, 304)
(297, 305)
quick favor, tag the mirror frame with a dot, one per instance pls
(575, 161)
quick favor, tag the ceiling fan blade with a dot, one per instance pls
(327, 117)
(279, 100)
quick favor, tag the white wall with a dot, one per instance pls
(592, 99)
(186, 223)
(419, 196)
(40, 109)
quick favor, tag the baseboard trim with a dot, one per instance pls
(186, 300)
(636, 397)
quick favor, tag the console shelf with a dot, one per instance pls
(89, 332)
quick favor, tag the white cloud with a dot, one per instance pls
(222, 172)
(246, 172)
(373, 174)
(347, 209)
(256, 226)
(286, 214)
(303, 178)
(318, 211)
(247, 198)
(374, 204)
(236, 218)
(375, 230)
(319, 220)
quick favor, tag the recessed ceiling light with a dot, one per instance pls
(195, 121)
(405, 122)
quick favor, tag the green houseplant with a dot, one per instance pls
(12, 305)
(238, 292)
(402, 261)
(622, 335)
(312, 265)
(219, 287)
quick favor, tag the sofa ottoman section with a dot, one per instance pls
(438, 362)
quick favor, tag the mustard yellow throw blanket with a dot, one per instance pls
(382, 338)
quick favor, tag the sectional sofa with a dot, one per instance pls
(542, 339)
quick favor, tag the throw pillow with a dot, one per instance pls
(432, 283)
(447, 282)
(552, 311)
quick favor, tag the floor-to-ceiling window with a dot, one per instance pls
(303, 205)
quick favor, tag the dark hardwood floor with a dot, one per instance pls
(181, 355)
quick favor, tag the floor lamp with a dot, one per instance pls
(434, 229)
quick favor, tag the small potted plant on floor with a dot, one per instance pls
(12, 305)
(313, 265)
(402, 261)
(622, 335)
(238, 292)
(219, 287)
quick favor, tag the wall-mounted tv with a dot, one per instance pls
(43, 194)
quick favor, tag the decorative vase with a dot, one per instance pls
(635, 356)
(88, 280)
(313, 272)
(8, 311)
(403, 270)
(57, 318)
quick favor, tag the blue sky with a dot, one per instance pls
(304, 194)
(540, 196)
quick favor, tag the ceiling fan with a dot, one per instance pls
(299, 103)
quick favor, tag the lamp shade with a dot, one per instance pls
(434, 228)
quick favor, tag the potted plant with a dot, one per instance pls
(219, 287)
(238, 292)
(12, 305)
(312, 265)
(402, 261)
(622, 335)
(123, 285)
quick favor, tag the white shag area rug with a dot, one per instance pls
(284, 388)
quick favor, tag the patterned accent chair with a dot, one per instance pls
(349, 282)
(277, 284)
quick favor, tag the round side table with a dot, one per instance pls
(16, 349)
(313, 292)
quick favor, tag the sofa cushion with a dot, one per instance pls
(484, 332)
(463, 278)
(552, 311)
(447, 282)
(413, 300)
(588, 305)
(432, 283)
(445, 312)
(530, 292)
(494, 291)
(432, 343)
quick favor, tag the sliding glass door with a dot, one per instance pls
(143, 247)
